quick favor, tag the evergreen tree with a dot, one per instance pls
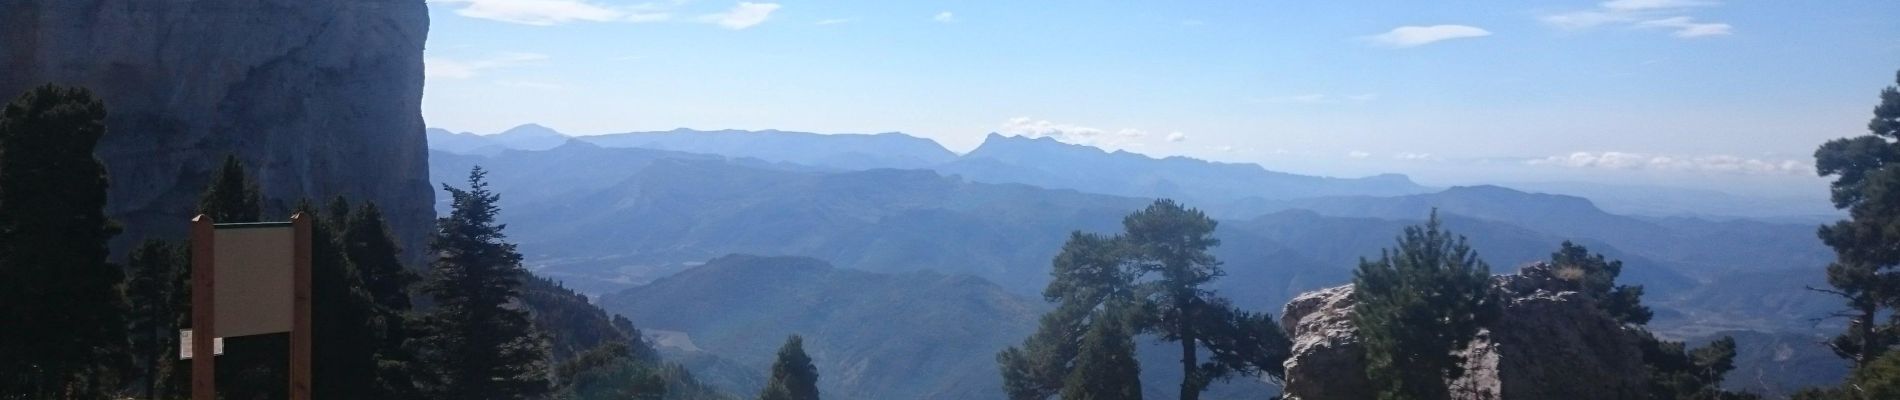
(1156, 270)
(609, 372)
(1864, 273)
(345, 329)
(793, 375)
(372, 251)
(1596, 277)
(232, 196)
(1169, 242)
(1416, 307)
(155, 266)
(65, 334)
(479, 339)
(1106, 368)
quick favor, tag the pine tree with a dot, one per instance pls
(1106, 368)
(793, 375)
(372, 251)
(1866, 175)
(65, 333)
(479, 339)
(1156, 268)
(153, 318)
(1170, 242)
(232, 196)
(1596, 276)
(1416, 307)
(344, 328)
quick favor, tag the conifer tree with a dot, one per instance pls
(1867, 172)
(1416, 307)
(1596, 277)
(232, 196)
(344, 328)
(1105, 368)
(64, 309)
(153, 319)
(793, 375)
(480, 340)
(372, 251)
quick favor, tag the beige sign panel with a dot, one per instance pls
(254, 267)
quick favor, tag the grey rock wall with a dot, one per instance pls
(319, 97)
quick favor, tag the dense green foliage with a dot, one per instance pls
(64, 309)
(1416, 307)
(480, 343)
(1106, 368)
(1154, 275)
(158, 294)
(1596, 277)
(793, 377)
(1867, 171)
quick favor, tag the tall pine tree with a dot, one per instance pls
(1866, 171)
(1105, 368)
(154, 321)
(65, 335)
(480, 340)
(1416, 307)
(372, 251)
(793, 376)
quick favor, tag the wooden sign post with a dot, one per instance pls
(249, 279)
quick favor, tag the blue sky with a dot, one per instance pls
(1727, 95)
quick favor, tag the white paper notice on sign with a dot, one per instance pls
(184, 345)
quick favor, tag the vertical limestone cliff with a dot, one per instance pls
(319, 97)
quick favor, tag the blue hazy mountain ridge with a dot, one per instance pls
(609, 219)
(842, 151)
(1050, 163)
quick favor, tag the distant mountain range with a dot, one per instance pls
(636, 225)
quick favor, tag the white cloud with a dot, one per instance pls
(1319, 98)
(447, 68)
(1358, 154)
(553, 12)
(945, 17)
(531, 85)
(1177, 137)
(1686, 27)
(833, 21)
(1705, 163)
(741, 16)
(1412, 36)
(1642, 14)
(1638, 5)
(1415, 157)
(1078, 134)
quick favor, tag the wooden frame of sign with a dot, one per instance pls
(248, 273)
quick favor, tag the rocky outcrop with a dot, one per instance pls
(1549, 342)
(319, 97)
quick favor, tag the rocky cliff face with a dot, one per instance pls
(319, 97)
(1548, 343)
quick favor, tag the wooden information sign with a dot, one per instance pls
(250, 279)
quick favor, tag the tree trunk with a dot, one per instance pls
(1190, 373)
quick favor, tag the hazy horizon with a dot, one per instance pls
(1646, 92)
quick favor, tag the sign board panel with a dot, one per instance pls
(184, 345)
(254, 271)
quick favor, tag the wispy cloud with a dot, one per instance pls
(1414, 36)
(1356, 154)
(1318, 98)
(1704, 163)
(555, 12)
(1079, 134)
(448, 68)
(1686, 27)
(741, 16)
(945, 17)
(1415, 157)
(1642, 14)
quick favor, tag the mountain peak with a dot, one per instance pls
(531, 129)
